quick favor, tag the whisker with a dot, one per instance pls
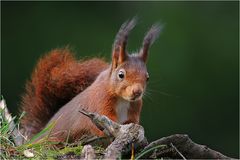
(162, 93)
(147, 96)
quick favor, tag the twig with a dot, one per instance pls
(124, 135)
(103, 123)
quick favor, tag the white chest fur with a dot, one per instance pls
(122, 110)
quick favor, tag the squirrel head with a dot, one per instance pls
(128, 73)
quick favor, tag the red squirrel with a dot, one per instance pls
(60, 86)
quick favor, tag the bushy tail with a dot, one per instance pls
(57, 78)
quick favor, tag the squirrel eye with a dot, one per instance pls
(121, 74)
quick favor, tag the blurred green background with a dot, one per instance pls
(193, 66)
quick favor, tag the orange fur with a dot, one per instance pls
(61, 86)
(57, 78)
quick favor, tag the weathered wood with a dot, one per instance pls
(185, 146)
(175, 146)
(127, 135)
(124, 135)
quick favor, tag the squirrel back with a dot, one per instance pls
(57, 78)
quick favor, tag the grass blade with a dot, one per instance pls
(147, 151)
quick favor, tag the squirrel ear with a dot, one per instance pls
(148, 40)
(119, 53)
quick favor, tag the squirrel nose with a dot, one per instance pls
(137, 92)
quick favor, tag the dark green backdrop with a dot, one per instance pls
(193, 66)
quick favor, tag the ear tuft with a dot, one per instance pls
(149, 39)
(119, 54)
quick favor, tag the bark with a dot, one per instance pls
(180, 143)
(130, 137)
